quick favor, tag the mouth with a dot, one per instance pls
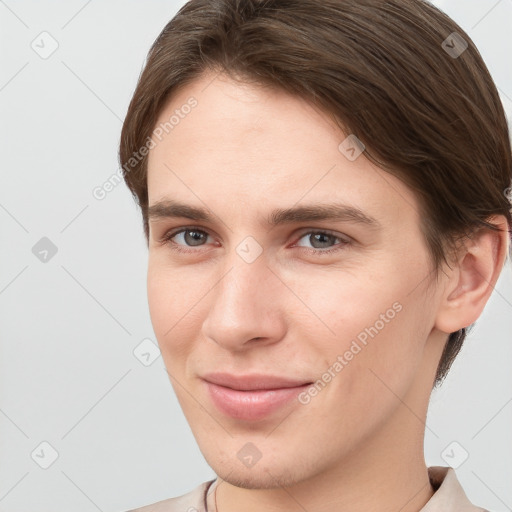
(252, 397)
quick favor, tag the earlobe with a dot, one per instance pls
(474, 277)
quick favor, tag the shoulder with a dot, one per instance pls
(449, 495)
(193, 501)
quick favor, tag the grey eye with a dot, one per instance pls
(319, 240)
(192, 237)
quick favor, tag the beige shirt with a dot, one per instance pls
(448, 496)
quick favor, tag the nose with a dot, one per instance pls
(246, 306)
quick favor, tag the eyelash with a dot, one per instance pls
(167, 240)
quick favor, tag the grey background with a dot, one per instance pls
(69, 326)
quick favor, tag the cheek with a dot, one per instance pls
(372, 360)
(171, 302)
(160, 301)
(348, 303)
(372, 321)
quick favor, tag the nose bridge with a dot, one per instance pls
(244, 300)
(243, 286)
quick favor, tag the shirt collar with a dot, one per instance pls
(449, 496)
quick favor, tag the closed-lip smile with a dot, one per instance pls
(251, 397)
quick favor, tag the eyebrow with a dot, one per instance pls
(316, 212)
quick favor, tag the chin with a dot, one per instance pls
(261, 480)
(260, 476)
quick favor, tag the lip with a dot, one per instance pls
(251, 397)
(253, 381)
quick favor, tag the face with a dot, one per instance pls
(290, 337)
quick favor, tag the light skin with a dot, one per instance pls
(358, 445)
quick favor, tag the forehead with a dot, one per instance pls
(242, 145)
(242, 122)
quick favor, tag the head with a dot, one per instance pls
(258, 112)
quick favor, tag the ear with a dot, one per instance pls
(474, 276)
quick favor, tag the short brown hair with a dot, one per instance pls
(391, 72)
